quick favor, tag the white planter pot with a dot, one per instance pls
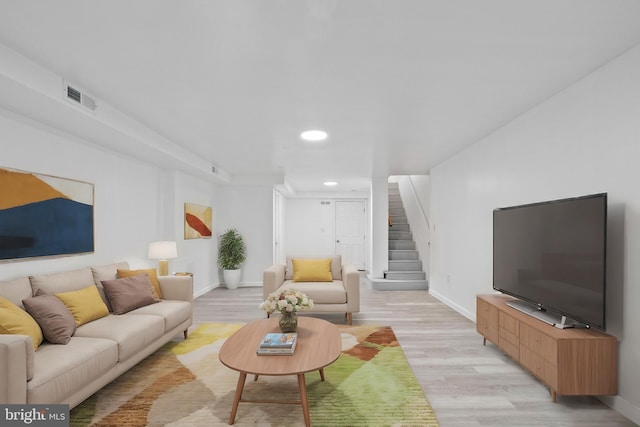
(231, 278)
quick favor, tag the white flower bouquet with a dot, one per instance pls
(287, 301)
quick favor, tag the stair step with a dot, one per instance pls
(398, 285)
(401, 244)
(396, 211)
(400, 227)
(399, 219)
(394, 197)
(405, 275)
(399, 235)
(405, 265)
(397, 254)
(395, 204)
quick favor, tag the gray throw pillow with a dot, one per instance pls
(129, 293)
(55, 319)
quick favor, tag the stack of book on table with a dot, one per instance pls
(276, 343)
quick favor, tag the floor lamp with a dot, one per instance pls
(163, 251)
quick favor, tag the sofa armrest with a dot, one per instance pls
(176, 288)
(272, 279)
(16, 368)
(351, 281)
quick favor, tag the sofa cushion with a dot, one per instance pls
(336, 268)
(16, 321)
(62, 282)
(85, 304)
(62, 370)
(16, 290)
(312, 270)
(55, 319)
(320, 293)
(129, 293)
(151, 272)
(132, 332)
(107, 272)
(173, 312)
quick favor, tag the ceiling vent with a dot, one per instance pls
(76, 96)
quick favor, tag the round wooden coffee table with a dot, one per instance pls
(319, 345)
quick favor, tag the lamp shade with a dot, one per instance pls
(163, 250)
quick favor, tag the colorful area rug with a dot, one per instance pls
(184, 384)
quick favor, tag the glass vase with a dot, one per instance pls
(288, 321)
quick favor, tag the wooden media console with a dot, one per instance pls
(568, 361)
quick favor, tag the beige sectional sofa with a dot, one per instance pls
(98, 351)
(340, 294)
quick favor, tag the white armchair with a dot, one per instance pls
(340, 295)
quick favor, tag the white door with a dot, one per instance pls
(350, 232)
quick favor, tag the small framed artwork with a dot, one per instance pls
(198, 220)
(43, 215)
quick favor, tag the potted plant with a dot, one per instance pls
(231, 253)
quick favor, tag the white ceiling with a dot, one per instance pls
(399, 85)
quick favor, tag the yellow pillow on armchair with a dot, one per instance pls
(312, 270)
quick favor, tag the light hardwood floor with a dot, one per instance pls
(467, 384)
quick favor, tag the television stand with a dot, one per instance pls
(559, 321)
(568, 361)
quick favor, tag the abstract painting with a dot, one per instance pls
(42, 215)
(197, 221)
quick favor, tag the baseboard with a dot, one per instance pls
(453, 305)
(623, 407)
(205, 290)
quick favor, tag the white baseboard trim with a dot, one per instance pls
(205, 290)
(221, 285)
(622, 406)
(456, 307)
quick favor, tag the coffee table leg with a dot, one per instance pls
(303, 399)
(236, 400)
(321, 370)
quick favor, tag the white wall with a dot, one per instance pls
(310, 227)
(422, 187)
(198, 256)
(584, 140)
(135, 203)
(279, 223)
(249, 209)
(379, 242)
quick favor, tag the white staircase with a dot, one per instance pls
(405, 267)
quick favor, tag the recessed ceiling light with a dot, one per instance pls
(330, 183)
(313, 135)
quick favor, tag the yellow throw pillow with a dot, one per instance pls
(151, 272)
(85, 304)
(16, 321)
(312, 270)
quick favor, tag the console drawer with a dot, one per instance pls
(542, 369)
(539, 343)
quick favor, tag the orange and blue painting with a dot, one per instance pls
(197, 221)
(42, 215)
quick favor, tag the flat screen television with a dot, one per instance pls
(552, 257)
